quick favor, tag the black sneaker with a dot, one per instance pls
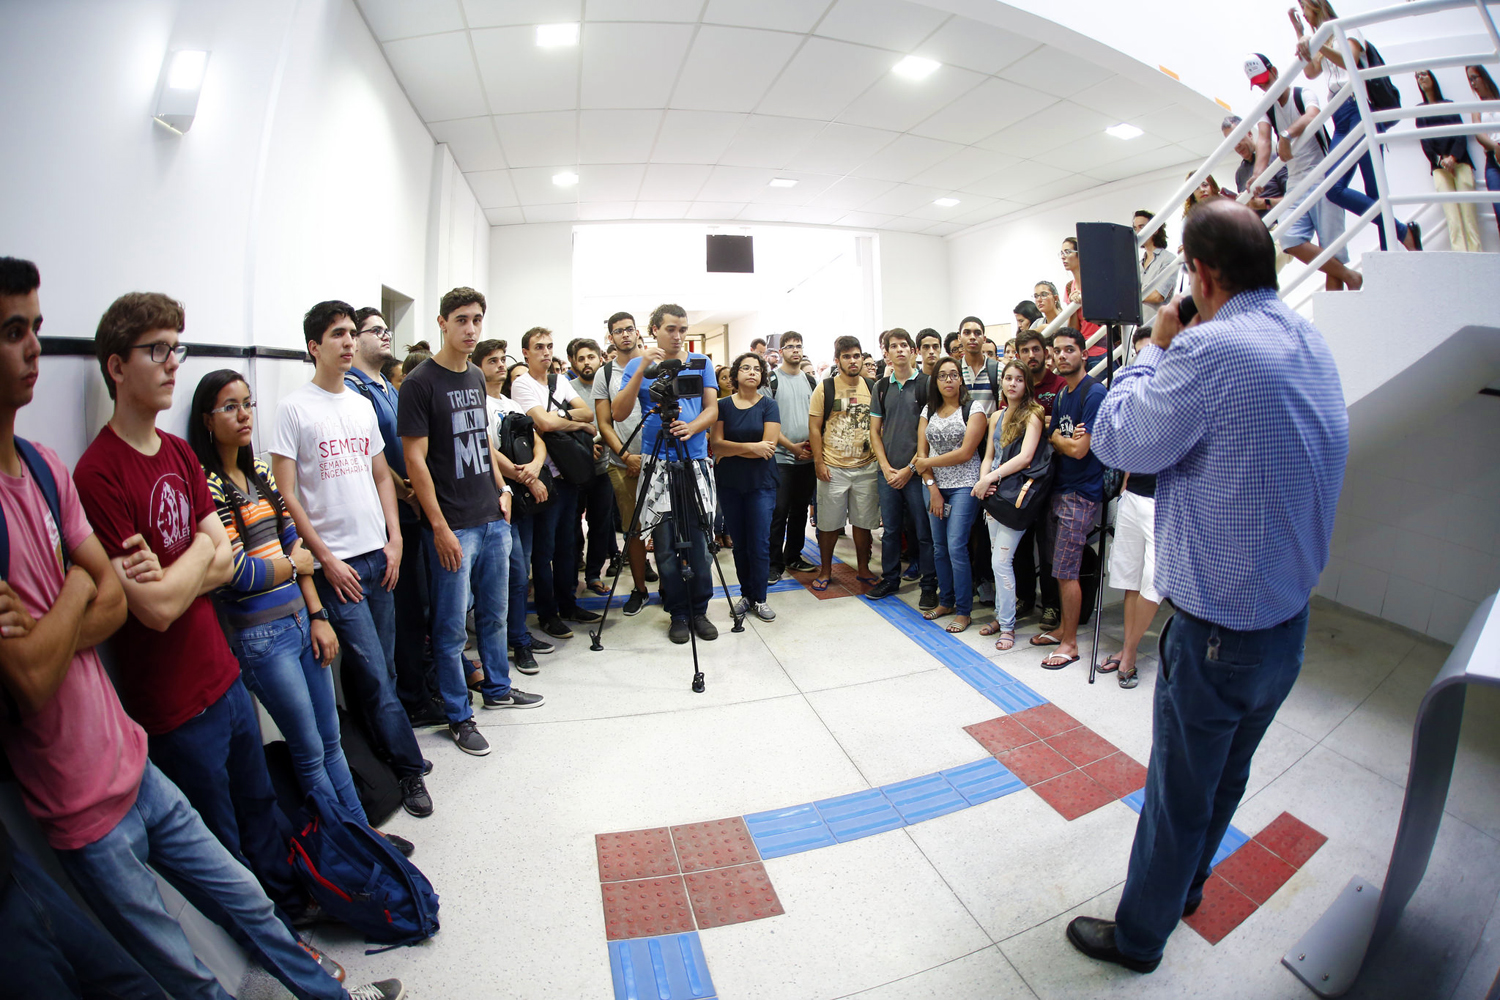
(885, 588)
(555, 628)
(651, 576)
(406, 847)
(1024, 609)
(525, 662)
(428, 717)
(386, 989)
(466, 734)
(928, 601)
(541, 647)
(1051, 618)
(515, 698)
(705, 628)
(678, 633)
(580, 615)
(774, 576)
(635, 602)
(800, 565)
(414, 797)
(426, 767)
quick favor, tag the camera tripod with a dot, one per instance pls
(688, 512)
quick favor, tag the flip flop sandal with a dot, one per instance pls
(936, 613)
(820, 584)
(868, 581)
(1105, 668)
(959, 624)
(1047, 664)
(597, 586)
(1006, 641)
(1131, 679)
(990, 629)
(1046, 639)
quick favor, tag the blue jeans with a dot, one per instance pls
(483, 576)
(554, 552)
(950, 549)
(217, 760)
(279, 668)
(416, 684)
(1345, 120)
(518, 576)
(54, 950)
(911, 497)
(1492, 179)
(1003, 545)
(683, 598)
(1218, 692)
(163, 829)
(367, 637)
(747, 521)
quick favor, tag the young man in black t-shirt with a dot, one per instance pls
(456, 474)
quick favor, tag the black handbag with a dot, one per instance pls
(1019, 497)
(513, 433)
(571, 451)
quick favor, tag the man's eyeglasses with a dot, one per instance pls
(233, 409)
(161, 349)
(625, 329)
(378, 331)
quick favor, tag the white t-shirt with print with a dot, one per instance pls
(529, 393)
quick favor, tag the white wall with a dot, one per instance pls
(914, 283)
(531, 282)
(306, 175)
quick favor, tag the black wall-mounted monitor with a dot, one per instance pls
(732, 254)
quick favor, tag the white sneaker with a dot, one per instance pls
(763, 611)
(386, 989)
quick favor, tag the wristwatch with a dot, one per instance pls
(319, 615)
(929, 482)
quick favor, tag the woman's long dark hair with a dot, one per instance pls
(201, 439)
(935, 393)
(1437, 89)
(1489, 81)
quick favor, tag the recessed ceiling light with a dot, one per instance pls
(916, 68)
(946, 202)
(783, 182)
(554, 36)
(1123, 131)
(566, 179)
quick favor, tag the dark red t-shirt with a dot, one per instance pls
(1047, 388)
(165, 678)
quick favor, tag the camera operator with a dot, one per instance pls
(687, 441)
(1250, 463)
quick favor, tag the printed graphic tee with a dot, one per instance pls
(449, 409)
(846, 435)
(333, 436)
(165, 678)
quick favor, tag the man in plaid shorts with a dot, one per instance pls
(1076, 491)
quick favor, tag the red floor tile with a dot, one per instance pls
(1255, 871)
(1082, 746)
(732, 895)
(999, 735)
(716, 844)
(1119, 773)
(1074, 794)
(1224, 908)
(1046, 720)
(635, 854)
(843, 575)
(834, 588)
(1034, 762)
(1291, 840)
(646, 908)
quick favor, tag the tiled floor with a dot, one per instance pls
(833, 702)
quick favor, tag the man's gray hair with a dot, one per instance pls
(1230, 122)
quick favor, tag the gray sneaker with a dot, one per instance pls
(386, 989)
(763, 611)
(742, 607)
(466, 735)
(515, 698)
(705, 628)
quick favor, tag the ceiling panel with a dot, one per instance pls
(520, 76)
(907, 224)
(493, 188)
(805, 215)
(505, 216)
(1096, 149)
(729, 69)
(984, 109)
(972, 45)
(809, 186)
(823, 77)
(616, 136)
(1054, 126)
(439, 75)
(1203, 145)
(615, 75)
(1060, 188)
(492, 13)
(547, 138)
(472, 142)
(715, 210)
(1121, 99)
(942, 229)
(695, 136)
(1055, 72)
(741, 184)
(838, 149)
(963, 168)
(643, 10)
(551, 213)
(662, 209)
(903, 199)
(1176, 123)
(1155, 159)
(390, 19)
(887, 24)
(1016, 178)
(534, 187)
(766, 141)
(852, 193)
(610, 182)
(605, 211)
(968, 204)
(895, 102)
(865, 220)
(673, 181)
(781, 15)
(994, 210)
(908, 156)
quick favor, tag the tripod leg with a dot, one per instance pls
(631, 531)
(1099, 594)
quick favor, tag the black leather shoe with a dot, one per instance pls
(1096, 939)
(885, 588)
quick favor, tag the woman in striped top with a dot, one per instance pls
(277, 626)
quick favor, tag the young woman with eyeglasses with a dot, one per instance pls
(948, 458)
(743, 441)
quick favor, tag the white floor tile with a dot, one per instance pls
(984, 975)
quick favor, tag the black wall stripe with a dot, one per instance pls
(79, 347)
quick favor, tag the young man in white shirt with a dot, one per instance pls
(553, 403)
(327, 457)
(624, 458)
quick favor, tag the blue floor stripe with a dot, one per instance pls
(780, 832)
(923, 798)
(1234, 837)
(671, 967)
(983, 780)
(861, 814)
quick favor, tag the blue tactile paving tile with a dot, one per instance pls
(780, 832)
(861, 814)
(660, 968)
(927, 797)
(811, 554)
(1234, 837)
(983, 780)
(1013, 697)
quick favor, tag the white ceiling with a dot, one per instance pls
(686, 109)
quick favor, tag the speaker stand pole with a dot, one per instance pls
(1112, 333)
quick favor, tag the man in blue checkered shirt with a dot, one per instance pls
(1243, 418)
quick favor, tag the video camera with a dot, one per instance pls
(675, 379)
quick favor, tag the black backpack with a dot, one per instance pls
(513, 438)
(571, 451)
(1382, 93)
(829, 400)
(772, 381)
(921, 390)
(1301, 107)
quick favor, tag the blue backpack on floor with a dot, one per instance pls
(359, 878)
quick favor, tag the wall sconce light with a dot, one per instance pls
(183, 80)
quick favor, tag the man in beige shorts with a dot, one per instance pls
(848, 490)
